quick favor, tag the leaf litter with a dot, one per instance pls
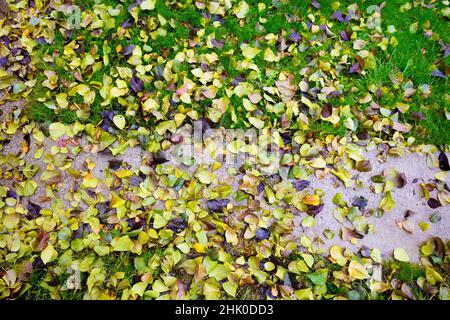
(132, 77)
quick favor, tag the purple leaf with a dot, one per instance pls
(443, 162)
(360, 202)
(16, 51)
(41, 40)
(333, 94)
(128, 24)
(26, 59)
(355, 68)
(137, 85)
(160, 158)
(218, 44)
(177, 225)
(127, 50)
(204, 67)
(260, 188)
(287, 139)
(345, 35)
(5, 40)
(301, 184)
(418, 115)
(314, 210)
(438, 73)
(327, 110)
(11, 194)
(114, 164)
(136, 223)
(159, 73)
(337, 15)
(295, 37)
(237, 80)
(315, 4)
(33, 211)
(433, 203)
(217, 205)
(262, 234)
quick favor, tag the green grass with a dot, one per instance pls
(407, 57)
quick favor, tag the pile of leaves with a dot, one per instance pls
(322, 81)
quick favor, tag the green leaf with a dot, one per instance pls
(230, 288)
(319, 278)
(29, 187)
(219, 272)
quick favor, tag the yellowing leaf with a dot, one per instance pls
(11, 221)
(29, 187)
(89, 181)
(48, 254)
(231, 236)
(123, 173)
(308, 222)
(119, 121)
(57, 130)
(148, 4)
(318, 163)
(357, 271)
(116, 201)
(139, 288)
(387, 203)
(241, 10)
(249, 52)
(206, 177)
(428, 248)
(270, 56)
(258, 123)
(159, 221)
(336, 254)
(432, 276)
(230, 288)
(401, 255)
(122, 243)
(311, 200)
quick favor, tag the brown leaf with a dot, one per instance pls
(363, 166)
(401, 180)
(348, 234)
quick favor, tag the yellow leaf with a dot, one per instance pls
(311, 200)
(124, 173)
(148, 4)
(119, 121)
(56, 129)
(270, 56)
(357, 271)
(48, 254)
(122, 243)
(249, 52)
(401, 255)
